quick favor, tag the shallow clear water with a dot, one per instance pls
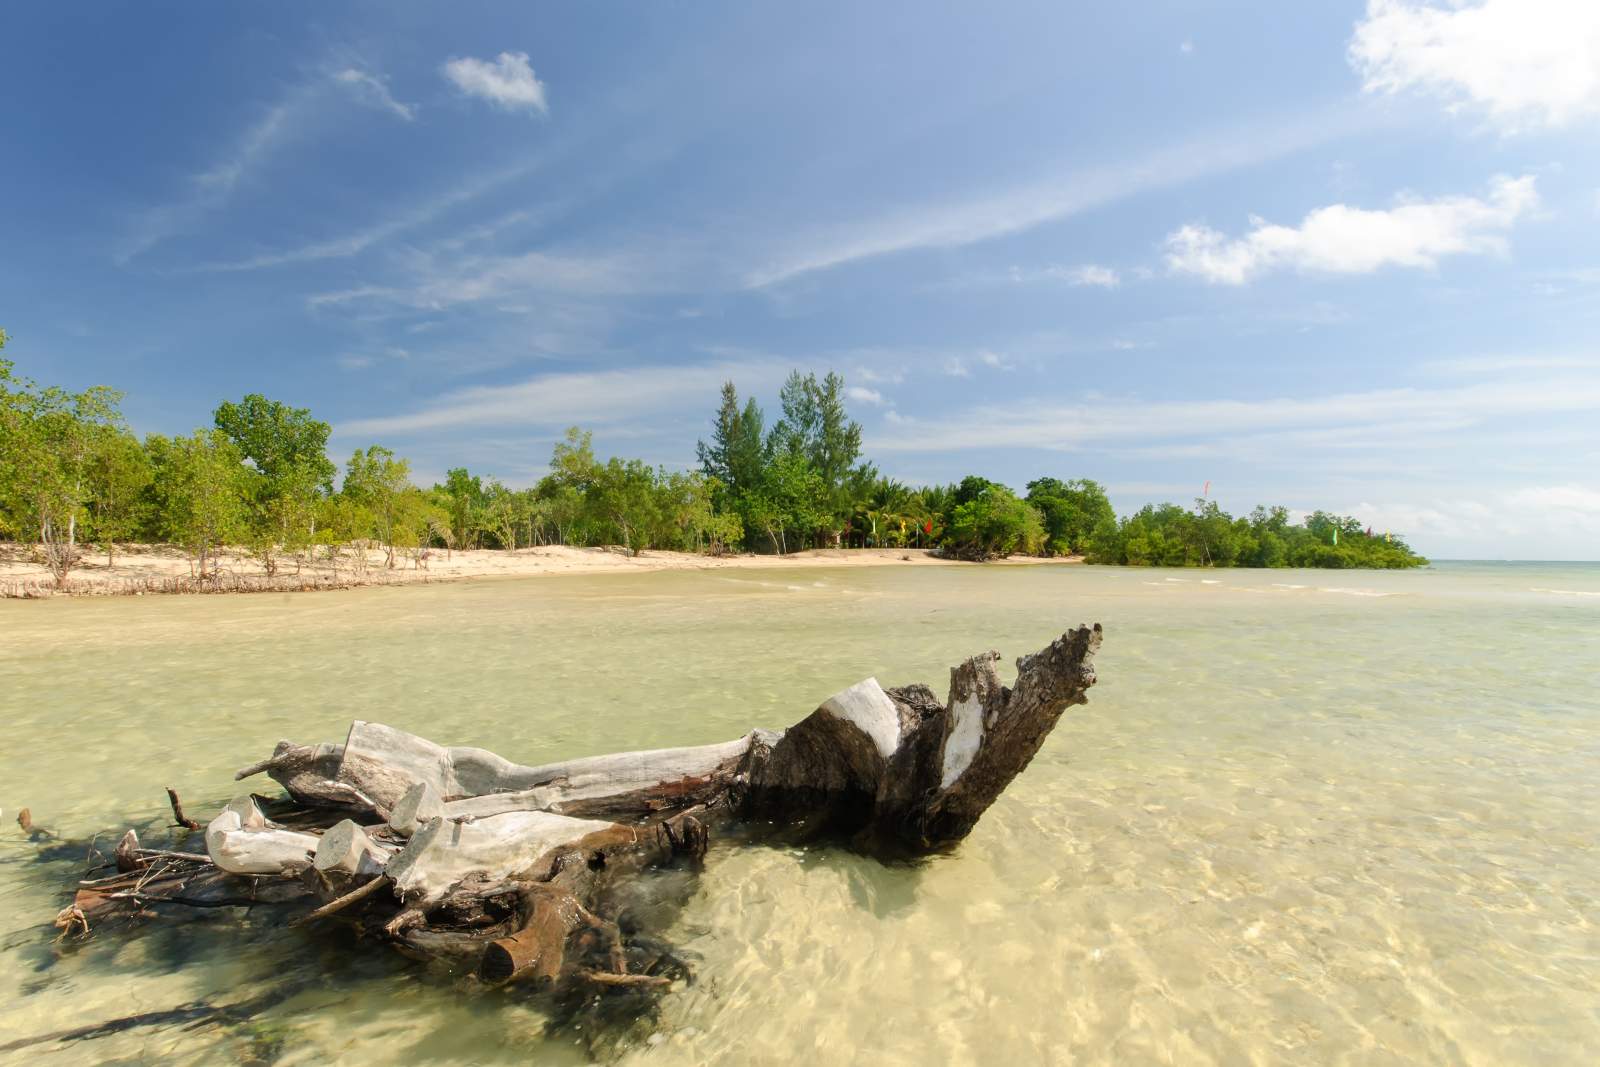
(1307, 817)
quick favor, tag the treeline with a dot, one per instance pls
(71, 473)
(1167, 535)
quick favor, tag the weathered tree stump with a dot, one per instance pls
(506, 871)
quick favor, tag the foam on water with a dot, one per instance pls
(1298, 829)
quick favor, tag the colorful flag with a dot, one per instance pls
(1336, 535)
(1207, 490)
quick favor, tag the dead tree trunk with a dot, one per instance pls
(505, 870)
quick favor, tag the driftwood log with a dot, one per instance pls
(514, 873)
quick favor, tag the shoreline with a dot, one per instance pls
(167, 570)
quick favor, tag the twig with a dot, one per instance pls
(255, 768)
(333, 907)
(607, 978)
(177, 811)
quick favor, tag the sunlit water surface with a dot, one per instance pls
(1307, 817)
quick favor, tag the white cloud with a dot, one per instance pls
(1340, 239)
(1546, 521)
(507, 82)
(984, 216)
(578, 397)
(1574, 503)
(865, 395)
(376, 90)
(878, 376)
(1089, 274)
(1521, 61)
(956, 367)
(1187, 47)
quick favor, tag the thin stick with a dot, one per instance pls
(198, 857)
(177, 811)
(606, 978)
(333, 907)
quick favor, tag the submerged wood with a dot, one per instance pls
(509, 872)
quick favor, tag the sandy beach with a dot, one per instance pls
(138, 566)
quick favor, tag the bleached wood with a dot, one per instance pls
(385, 763)
(346, 849)
(415, 809)
(443, 854)
(240, 840)
(868, 708)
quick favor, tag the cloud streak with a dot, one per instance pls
(376, 90)
(986, 216)
(603, 397)
(1197, 426)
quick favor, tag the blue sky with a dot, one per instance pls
(1319, 254)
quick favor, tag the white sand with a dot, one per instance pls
(18, 563)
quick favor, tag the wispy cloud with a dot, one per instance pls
(488, 279)
(1345, 240)
(1089, 274)
(375, 89)
(507, 81)
(1352, 419)
(211, 188)
(988, 215)
(863, 395)
(1523, 62)
(961, 366)
(359, 241)
(603, 397)
(281, 123)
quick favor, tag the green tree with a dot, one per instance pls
(466, 499)
(994, 523)
(737, 453)
(816, 427)
(790, 499)
(286, 449)
(377, 481)
(48, 440)
(623, 495)
(202, 493)
(1071, 510)
(119, 477)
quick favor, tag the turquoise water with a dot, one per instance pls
(1307, 817)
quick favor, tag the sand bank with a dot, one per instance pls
(164, 568)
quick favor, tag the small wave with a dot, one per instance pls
(1566, 592)
(1286, 585)
(1211, 581)
(1180, 579)
(1351, 592)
